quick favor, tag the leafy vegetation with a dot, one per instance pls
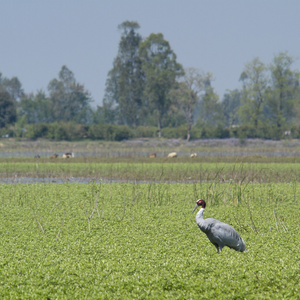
(141, 241)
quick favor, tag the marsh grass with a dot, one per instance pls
(154, 171)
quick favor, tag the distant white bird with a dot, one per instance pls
(172, 154)
(220, 234)
(68, 155)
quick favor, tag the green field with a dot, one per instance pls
(121, 241)
(129, 232)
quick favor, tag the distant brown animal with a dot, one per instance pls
(193, 155)
(67, 155)
(54, 155)
(37, 156)
(172, 154)
(153, 155)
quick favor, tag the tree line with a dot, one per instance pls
(148, 93)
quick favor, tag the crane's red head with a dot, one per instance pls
(201, 203)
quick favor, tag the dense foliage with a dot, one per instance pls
(147, 88)
(73, 132)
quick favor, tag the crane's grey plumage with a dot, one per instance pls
(220, 234)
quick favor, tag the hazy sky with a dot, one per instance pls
(38, 37)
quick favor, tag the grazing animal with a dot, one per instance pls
(67, 155)
(54, 155)
(220, 234)
(193, 155)
(172, 154)
(37, 156)
(153, 155)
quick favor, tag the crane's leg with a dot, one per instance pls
(217, 246)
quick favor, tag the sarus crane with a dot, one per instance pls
(220, 234)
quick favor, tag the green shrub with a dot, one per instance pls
(196, 133)
(120, 132)
(96, 132)
(73, 131)
(205, 132)
(264, 131)
(221, 133)
(146, 132)
(295, 132)
(246, 131)
(174, 133)
(109, 132)
(56, 132)
(34, 131)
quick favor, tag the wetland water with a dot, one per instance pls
(32, 180)
(28, 180)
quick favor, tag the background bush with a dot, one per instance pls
(71, 131)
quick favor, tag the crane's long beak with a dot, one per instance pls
(195, 208)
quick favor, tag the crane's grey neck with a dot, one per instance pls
(200, 213)
(200, 221)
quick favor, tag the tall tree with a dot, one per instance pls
(69, 99)
(124, 85)
(255, 84)
(110, 109)
(284, 90)
(14, 87)
(161, 70)
(296, 120)
(210, 111)
(8, 112)
(10, 91)
(187, 94)
(230, 107)
(35, 108)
